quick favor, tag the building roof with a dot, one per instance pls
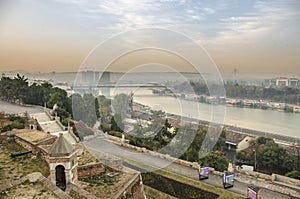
(234, 138)
(32, 136)
(61, 147)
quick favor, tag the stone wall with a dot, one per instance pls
(287, 180)
(134, 189)
(90, 170)
(33, 146)
(274, 184)
(24, 143)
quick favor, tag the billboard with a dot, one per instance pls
(253, 193)
(204, 171)
(228, 180)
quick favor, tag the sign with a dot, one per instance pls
(204, 171)
(253, 192)
(228, 180)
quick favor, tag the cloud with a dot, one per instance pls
(249, 26)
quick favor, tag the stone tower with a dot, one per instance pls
(62, 161)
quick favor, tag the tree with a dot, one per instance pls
(221, 145)
(271, 157)
(215, 160)
(89, 109)
(59, 97)
(121, 105)
(20, 87)
(116, 123)
(78, 108)
(97, 108)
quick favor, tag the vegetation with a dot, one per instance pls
(18, 90)
(153, 193)
(215, 160)
(85, 108)
(184, 143)
(14, 169)
(285, 94)
(223, 194)
(16, 123)
(175, 188)
(272, 158)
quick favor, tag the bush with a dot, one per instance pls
(293, 174)
(14, 125)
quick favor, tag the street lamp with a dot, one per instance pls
(254, 159)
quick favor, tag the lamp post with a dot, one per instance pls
(254, 159)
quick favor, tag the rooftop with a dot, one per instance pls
(32, 135)
(61, 147)
(234, 137)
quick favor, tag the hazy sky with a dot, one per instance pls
(256, 37)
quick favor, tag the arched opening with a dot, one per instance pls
(60, 177)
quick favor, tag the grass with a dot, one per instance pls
(28, 190)
(103, 186)
(75, 195)
(223, 194)
(12, 169)
(153, 193)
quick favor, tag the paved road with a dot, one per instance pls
(103, 145)
(15, 108)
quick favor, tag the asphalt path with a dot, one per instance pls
(11, 108)
(101, 144)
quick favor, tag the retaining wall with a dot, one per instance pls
(90, 170)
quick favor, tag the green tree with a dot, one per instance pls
(215, 160)
(20, 85)
(89, 109)
(97, 108)
(117, 123)
(121, 105)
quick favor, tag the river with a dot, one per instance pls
(271, 121)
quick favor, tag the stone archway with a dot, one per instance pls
(60, 177)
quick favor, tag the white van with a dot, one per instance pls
(247, 168)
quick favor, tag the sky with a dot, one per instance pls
(259, 38)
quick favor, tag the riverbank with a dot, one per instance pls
(283, 139)
(235, 102)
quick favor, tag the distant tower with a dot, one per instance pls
(62, 162)
(235, 71)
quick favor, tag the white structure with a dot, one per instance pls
(282, 81)
(62, 161)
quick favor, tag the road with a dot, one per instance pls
(11, 108)
(103, 145)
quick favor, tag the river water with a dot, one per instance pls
(272, 121)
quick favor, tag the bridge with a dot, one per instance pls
(114, 85)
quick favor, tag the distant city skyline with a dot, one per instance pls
(258, 38)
